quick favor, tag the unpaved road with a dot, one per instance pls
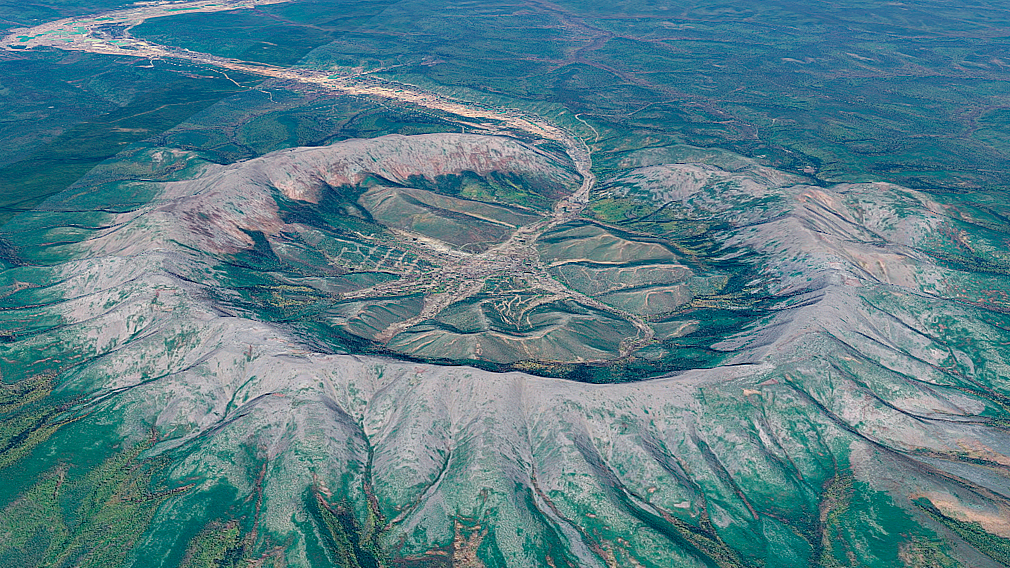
(108, 33)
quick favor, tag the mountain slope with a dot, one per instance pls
(857, 416)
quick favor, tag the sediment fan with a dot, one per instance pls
(865, 400)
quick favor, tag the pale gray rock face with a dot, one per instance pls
(211, 211)
(846, 374)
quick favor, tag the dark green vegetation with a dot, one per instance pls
(341, 541)
(838, 394)
(168, 100)
(94, 520)
(65, 113)
(20, 14)
(912, 93)
(43, 94)
(275, 34)
(100, 111)
(253, 123)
